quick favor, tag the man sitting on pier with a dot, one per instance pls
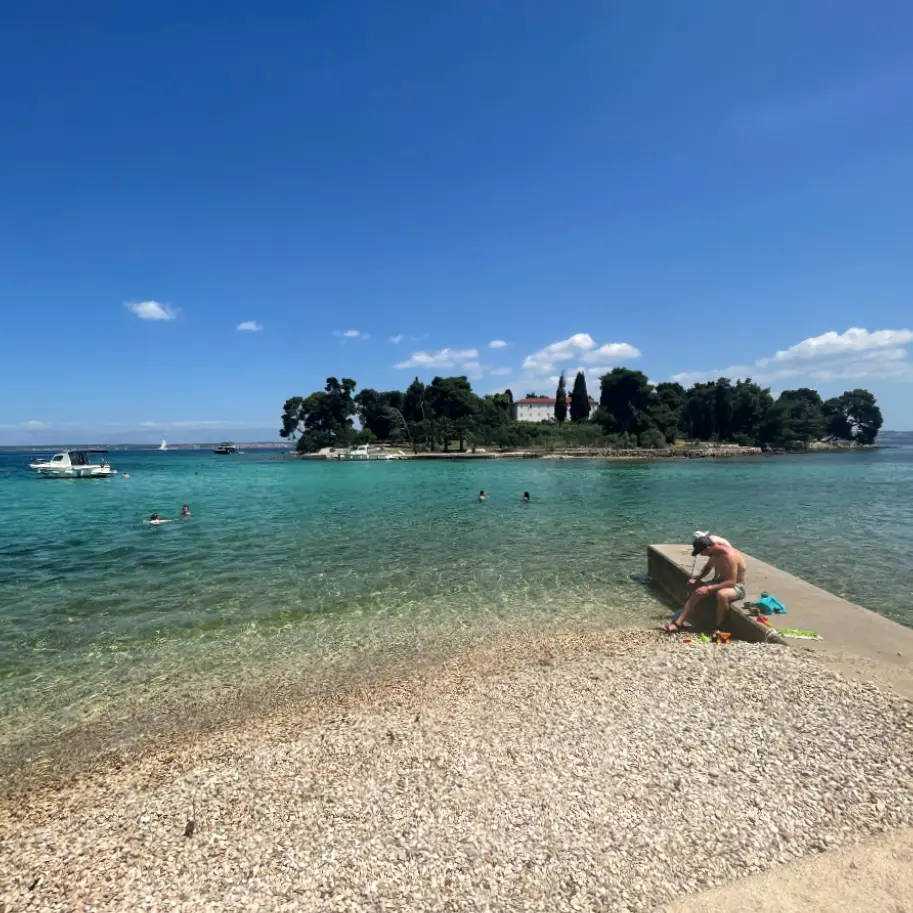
(728, 584)
(711, 561)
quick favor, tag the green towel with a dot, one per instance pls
(799, 633)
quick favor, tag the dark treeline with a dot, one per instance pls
(632, 412)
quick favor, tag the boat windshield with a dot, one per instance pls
(58, 458)
(78, 458)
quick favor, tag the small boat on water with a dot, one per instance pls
(164, 445)
(73, 464)
(367, 453)
(226, 447)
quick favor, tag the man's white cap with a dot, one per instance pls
(698, 534)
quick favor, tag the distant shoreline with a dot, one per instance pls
(253, 445)
(722, 451)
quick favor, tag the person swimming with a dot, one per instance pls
(526, 496)
(156, 520)
(185, 511)
(482, 495)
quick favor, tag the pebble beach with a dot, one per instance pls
(597, 771)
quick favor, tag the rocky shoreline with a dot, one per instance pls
(708, 451)
(609, 771)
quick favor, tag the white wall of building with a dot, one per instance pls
(537, 412)
(533, 412)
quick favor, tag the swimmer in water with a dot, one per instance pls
(156, 520)
(126, 475)
(526, 496)
(482, 495)
(185, 511)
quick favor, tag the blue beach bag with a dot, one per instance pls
(770, 605)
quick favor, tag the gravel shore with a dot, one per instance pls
(593, 772)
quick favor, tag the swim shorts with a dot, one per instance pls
(738, 587)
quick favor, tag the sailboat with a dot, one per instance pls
(164, 445)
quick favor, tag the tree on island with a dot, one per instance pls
(853, 415)
(751, 404)
(669, 403)
(323, 419)
(413, 411)
(624, 396)
(561, 400)
(453, 405)
(631, 413)
(380, 412)
(502, 400)
(580, 400)
(795, 419)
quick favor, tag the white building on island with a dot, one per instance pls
(540, 408)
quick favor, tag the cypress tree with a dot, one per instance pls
(561, 401)
(580, 400)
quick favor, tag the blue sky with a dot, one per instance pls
(684, 188)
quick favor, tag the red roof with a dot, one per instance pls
(544, 401)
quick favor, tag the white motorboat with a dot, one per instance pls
(73, 464)
(366, 453)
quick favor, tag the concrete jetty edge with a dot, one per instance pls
(845, 628)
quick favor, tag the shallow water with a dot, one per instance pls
(290, 568)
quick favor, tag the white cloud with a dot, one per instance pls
(614, 351)
(200, 423)
(542, 369)
(591, 372)
(351, 334)
(853, 340)
(579, 346)
(152, 310)
(31, 425)
(497, 344)
(854, 354)
(547, 358)
(591, 375)
(249, 326)
(443, 358)
(397, 339)
(500, 372)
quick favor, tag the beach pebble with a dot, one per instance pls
(636, 770)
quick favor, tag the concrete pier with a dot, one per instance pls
(845, 628)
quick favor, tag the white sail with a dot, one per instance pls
(164, 445)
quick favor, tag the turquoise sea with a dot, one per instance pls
(291, 577)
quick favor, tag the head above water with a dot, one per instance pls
(525, 495)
